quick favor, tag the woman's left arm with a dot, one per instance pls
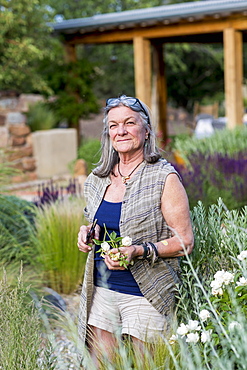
(175, 209)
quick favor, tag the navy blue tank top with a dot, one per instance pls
(108, 214)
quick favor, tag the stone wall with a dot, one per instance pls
(15, 135)
(38, 155)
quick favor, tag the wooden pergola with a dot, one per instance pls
(215, 21)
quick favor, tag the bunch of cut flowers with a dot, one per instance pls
(114, 242)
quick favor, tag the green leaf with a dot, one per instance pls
(97, 242)
(113, 236)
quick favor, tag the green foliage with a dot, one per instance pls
(60, 260)
(80, 8)
(220, 234)
(211, 276)
(215, 167)
(16, 231)
(40, 117)
(6, 170)
(20, 339)
(72, 84)
(90, 152)
(24, 42)
(226, 142)
(112, 63)
(193, 73)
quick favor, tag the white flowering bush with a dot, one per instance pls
(218, 328)
(114, 242)
(193, 332)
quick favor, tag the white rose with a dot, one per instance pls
(219, 275)
(126, 241)
(105, 246)
(173, 339)
(242, 282)
(242, 256)
(182, 329)
(204, 315)
(233, 325)
(216, 284)
(205, 336)
(217, 291)
(193, 325)
(192, 338)
(228, 278)
(115, 256)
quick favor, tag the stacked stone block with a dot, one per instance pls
(15, 136)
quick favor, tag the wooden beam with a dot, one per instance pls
(233, 69)
(160, 31)
(142, 66)
(70, 52)
(160, 86)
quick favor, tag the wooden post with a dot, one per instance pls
(159, 80)
(70, 57)
(142, 65)
(70, 53)
(233, 65)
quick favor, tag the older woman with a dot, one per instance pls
(136, 193)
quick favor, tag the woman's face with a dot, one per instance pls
(126, 130)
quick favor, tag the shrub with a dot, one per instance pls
(41, 117)
(90, 152)
(6, 170)
(57, 229)
(226, 142)
(16, 231)
(215, 167)
(214, 279)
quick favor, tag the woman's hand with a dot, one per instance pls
(82, 237)
(130, 252)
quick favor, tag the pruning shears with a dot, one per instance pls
(90, 233)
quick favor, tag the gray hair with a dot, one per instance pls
(109, 156)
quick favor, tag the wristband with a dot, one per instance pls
(145, 251)
(154, 249)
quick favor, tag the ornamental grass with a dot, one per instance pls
(57, 228)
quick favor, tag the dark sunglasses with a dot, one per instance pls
(131, 101)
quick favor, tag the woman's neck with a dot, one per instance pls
(128, 160)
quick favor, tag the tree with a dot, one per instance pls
(194, 72)
(24, 42)
(81, 8)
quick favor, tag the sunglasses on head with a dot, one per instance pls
(132, 102)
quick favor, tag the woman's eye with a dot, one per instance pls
(130, 123)
(112, 126)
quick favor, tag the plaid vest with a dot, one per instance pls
(142, 220)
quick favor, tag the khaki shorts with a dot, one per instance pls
(126, 314)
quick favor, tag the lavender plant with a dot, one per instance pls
(214, 176)
(215, 167)
(51, 192)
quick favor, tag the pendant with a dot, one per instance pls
(125, 178)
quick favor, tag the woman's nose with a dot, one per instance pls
(121, 130)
